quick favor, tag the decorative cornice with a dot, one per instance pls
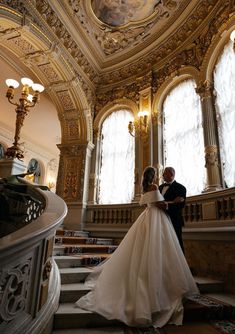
(188, 31)
(44, 8)
(195, 53)
(129, 91)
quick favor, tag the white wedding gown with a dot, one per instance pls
(147, 276)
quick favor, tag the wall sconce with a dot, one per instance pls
(140, 125)
(232, 37)
(26, 101)
(51, 183)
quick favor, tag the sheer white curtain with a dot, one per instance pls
(183, 136)
(117, 160)
(224, 83)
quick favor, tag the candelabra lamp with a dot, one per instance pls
(140, 125)
(26, 101)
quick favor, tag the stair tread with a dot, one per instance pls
(84, 246)
(76, 256)
(74, 287)
(99, 330)
(69, 308)
(224, 297)
(206, 280)
(76, 270)
(82, 238)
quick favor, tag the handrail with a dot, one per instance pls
(29, 278)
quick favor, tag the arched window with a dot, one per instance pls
(117, 159)
(224, 83)
(2, 152)
(183, 136)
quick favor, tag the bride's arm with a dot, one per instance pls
(164, 204)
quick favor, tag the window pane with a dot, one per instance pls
(118, 159)
(224, 82)
(183, 136)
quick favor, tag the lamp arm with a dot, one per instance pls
(14, 103)
(31, 105)
(131, 134)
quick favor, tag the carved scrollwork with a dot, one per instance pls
(205, 89)
(14, 290)
(47, 270)
(211, 156)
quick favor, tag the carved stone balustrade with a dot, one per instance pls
(29, 277)
(111, 220)
(215, 208)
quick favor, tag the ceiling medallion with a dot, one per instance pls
(117, 13)
(122, 23)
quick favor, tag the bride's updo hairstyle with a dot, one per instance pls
(147, 178)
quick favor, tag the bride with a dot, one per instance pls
(146, 278)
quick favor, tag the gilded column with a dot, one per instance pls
(72, 181)
(143, 141)
(210, 137)
(94, 171)
(157, 144)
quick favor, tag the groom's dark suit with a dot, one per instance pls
(175, 210)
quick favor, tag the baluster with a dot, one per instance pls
(114, 216)
(200, 212)
(95, 216)
(230, 207)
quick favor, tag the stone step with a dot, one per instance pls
(73, 275)
(198, 308)
(96, 330)
(74, 261)
(62, 232)
(70, 293)
(206, 284)
(69, 316)
(59, 240)
(82, 249)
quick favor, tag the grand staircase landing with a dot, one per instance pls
(76, 253)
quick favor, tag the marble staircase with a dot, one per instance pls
(76, 253)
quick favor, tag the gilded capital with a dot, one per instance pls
(205, 89)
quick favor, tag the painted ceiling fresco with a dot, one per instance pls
(121, 12)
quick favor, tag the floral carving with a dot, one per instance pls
(66, 100)
(14, 290)
(211, 156)
(129, 91)
(49, 72)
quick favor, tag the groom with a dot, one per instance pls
(175, 193)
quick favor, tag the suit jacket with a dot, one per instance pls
(175, 210)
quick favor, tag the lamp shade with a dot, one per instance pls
(26, 81)
(30, 97)
(38, 88)
(232, 35)
(12, 83)
(143, 113)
